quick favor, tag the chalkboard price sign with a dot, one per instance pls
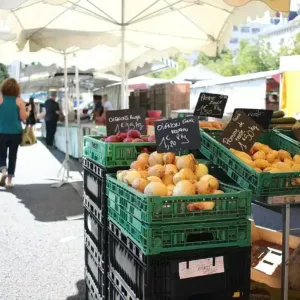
(211, 105)
(126, 119)
(261, 116)
(241, 133)
(177, 134)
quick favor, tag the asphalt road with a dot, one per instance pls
(41, 252)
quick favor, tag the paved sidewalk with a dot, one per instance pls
(41, 252)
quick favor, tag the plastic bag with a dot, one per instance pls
(28, 137)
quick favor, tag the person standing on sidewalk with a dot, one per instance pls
(51, 119)
(12, 112)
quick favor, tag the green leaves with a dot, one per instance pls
(3, 72)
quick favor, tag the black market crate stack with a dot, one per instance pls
(99, 159)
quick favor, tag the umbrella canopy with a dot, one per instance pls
(183, 24)
(87, 50)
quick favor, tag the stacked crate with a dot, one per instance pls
(95, 233)
(159, 249)
(100, 159)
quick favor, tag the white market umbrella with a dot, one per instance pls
(62, 43)
(186, 25)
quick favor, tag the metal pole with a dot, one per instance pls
(124, 103)
(286, 212)
(78, 111)
(66, 106)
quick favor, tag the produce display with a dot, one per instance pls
(213, 125)
(264, 159)
(279, 121)
(131, 136)
(164, 174)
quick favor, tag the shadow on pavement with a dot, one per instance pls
(81, 291)
(75, 165)
(49, 204)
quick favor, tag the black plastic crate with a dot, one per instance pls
(95, 241)
(94, 272)
(175, 276)
(91, 290)
(94, 179)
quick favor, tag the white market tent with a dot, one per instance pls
(197, 73)
(244, 91)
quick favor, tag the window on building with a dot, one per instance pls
(245, 29)
(234, 41)
(235, 28)
(255, 30)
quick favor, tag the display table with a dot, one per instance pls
(75, 137)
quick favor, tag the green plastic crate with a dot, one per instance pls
(101, 129)
(113, 154)
(152, 210)
(169, 238)
(262, 184)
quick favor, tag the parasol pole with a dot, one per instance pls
(124, 103)
(78, 111)
(65, 168)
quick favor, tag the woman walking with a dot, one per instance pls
(12, 112)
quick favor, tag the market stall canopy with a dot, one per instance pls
(238, 78)
(185, 25)
(46, 82)
(142, 82)
(197, 73)
(47, 46)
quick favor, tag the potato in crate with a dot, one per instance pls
(271, 168)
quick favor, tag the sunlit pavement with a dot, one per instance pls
(41, 251)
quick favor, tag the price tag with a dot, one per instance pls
(241, 132)
(201, 267)
(126, 119)
(261, 116)
(287, 199)
(211, 105)
(177, 134)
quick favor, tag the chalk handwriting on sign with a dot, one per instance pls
(126, 119)
(177, 134)
(261, 116)
(241, 132)
(211, 105)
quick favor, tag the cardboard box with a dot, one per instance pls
(267, 286)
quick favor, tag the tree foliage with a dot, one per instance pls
(250, 58)
(3, 72)
(173, 72)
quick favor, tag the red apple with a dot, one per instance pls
(122, 136)
(112, 139)
(145, 139)
(135, 134)
(128, 140)
(151, 139)
(138, 141)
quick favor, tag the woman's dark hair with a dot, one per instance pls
(97, 98)
(31, 100)
(10, 87)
